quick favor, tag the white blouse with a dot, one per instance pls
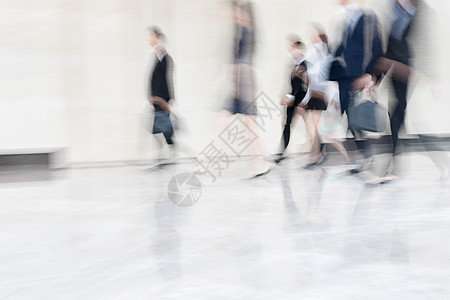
(318, 61)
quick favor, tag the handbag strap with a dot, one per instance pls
(361, 96)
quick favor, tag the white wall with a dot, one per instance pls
(74, 73)
(32, 94)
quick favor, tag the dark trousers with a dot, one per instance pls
(290, 111)
(397, 117)
(360, 137)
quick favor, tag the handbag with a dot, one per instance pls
(162, 123)
(365, 113)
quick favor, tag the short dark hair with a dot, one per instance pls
(157, 31)
(298, 44)
(295, 40)
(320, 31)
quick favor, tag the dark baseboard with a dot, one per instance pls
(409, 144)
(25, 159)
(25, 165)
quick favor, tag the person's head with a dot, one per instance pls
(293, 41)
(317, 34)
(243, 13)
(409, 2)
(346, 2)
(295, 47)
(156, 36)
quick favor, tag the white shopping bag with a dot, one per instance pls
(332, 125)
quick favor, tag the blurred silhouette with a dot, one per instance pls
(398, 50)
(299, 87)
(321, 92)
(407, 24)
(167, 241)
(244, 100)
(354, 65)
(160, 87)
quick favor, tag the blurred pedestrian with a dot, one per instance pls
(353, 67)
(160, 87)
(407, 24)
(244, 83)
(321, 94)
(299, 86)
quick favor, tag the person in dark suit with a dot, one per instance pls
(299, 87)
(358, 69)
(160, 86)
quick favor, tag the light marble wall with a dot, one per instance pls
(32, 93)
(74, 73)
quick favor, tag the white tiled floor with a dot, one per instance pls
(112, 233)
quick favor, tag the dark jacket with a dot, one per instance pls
(161, 80)
(352, 50)
(299, 84)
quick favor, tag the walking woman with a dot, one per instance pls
(316, 99)
(324, 96)
(244, 83)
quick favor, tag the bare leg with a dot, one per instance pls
(309, 131)
(261, 148)
(308, 126)
(340, 147)
(267, 162)
(315, 147)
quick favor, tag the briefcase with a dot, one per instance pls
(162, 123)
(365, 113)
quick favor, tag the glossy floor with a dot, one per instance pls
(114, 233)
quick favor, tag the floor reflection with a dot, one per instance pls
(292, 234)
